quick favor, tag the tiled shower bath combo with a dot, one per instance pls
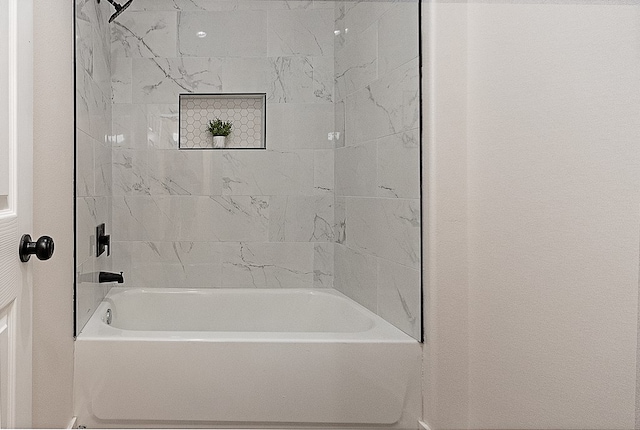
(318, 186)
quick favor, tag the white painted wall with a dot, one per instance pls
(446, 361)
(53, 214)
(552, 223)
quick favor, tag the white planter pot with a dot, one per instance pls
(219, 141)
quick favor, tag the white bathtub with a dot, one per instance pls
(240, 356)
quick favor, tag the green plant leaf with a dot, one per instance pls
(217, 127)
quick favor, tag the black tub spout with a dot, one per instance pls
(110, 277)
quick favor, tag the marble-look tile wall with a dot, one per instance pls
(93, 150)
(235, 218)
(377, 160)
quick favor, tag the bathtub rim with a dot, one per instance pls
(381, 332)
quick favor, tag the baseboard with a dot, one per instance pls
(423, 425)
(73, 423)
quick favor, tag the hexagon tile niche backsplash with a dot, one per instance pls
(245, 111)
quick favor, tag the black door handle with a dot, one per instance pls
(43, 248)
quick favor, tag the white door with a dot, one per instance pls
(16, 146)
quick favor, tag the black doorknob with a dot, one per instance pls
(43, 248)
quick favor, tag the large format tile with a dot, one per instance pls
(323, 171)
(339, 10)
(102, 61)
(84, 165)
(130, 173)
(340, 219)
(387, 106)
(355, 170)
(102, 169)
(397, 36)
(399, 296)
(323, 79)
(301, 219)
(86, 11)
(145, 126)
(161, 126)
(83, 97)
(245, 75)
(270, 265)
(361, 15)
(356, 276)
(93, 109)
(144, 34)
(399, 231)
(290, 80)
(121, 80)
(129, 126)
(238, 33)
(161, 80)
(86, 222)
(240, 218)
(356, 64)
(170, 264)
(299, 125)
(259, 172)
(139, 218)
(173, 172)
(187, 172)
(219, 218)
(103, 11)
(84, 44)
(323, 265)
(386, 228)
(300, 32)
(99, 114)
(399, 165)
(339, 117)
(191, 218)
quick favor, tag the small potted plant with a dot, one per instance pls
(219, 129)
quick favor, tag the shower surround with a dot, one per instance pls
(333, 202)
(252, 218)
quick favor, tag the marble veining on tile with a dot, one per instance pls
(161, 80)
(300, 32)
(290, 80)
(323, 265)
(301, 219)
(121, 80)
(271, 265)
(255, 172)
(169, 264)
(138, 34)
(387, 106)
(398, 165)
(399, 296)
(356, 275)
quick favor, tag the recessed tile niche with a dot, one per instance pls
(247, 113)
